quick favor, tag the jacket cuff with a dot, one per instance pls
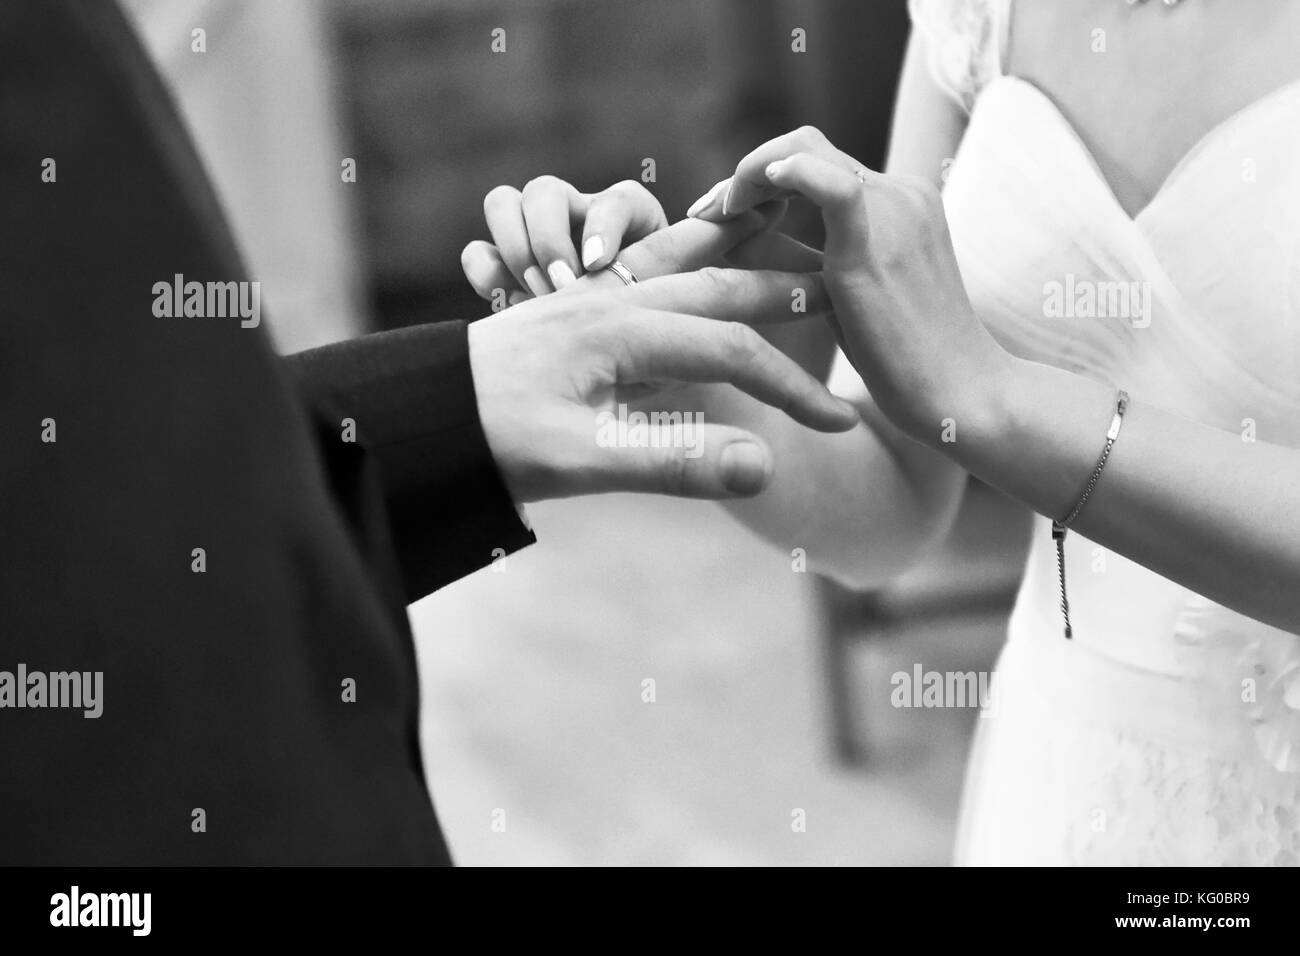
(411, 395)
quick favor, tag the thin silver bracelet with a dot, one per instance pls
(1059, 528)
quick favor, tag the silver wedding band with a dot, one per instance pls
(623, 272)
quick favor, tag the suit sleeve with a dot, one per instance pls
(410, 394)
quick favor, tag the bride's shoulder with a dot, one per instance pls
(965, 40)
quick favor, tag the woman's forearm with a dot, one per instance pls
(1203, 507)
(862, 505)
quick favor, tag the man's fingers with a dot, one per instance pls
(734, 295)
(486, 271)
(624, 213)
(686, 459)
(550, 206)
(689, 245)
(658, 346)
(775, 250)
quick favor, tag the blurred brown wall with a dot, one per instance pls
(586, 90)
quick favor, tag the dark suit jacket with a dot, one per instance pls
(223, 689)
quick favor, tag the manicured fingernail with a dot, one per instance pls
(536, 282)
(726, 200)
(848, 411)
(560, 273)
(592, 250)
(744, 468)
(708, 199)
(773, 169)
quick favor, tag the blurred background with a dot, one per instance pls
(769, 702)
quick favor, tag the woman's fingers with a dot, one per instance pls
(503, 210)
(624, 213)
(711, 199)
(533, 229)
(838, 191)
(486, 271)
(750, 186)
(550, 206)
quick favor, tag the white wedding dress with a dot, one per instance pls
(1168, 730)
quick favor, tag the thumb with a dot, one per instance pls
(687, 461)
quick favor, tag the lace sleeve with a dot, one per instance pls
(965, 39)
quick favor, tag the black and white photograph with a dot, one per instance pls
(650, 433)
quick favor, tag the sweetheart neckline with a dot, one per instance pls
(1202, 143)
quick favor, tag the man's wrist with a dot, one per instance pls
(497, 371)
(410, 399)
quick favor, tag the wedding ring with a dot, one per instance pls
(623, 272)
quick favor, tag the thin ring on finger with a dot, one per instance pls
(626, 275)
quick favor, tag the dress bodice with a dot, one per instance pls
(1168, 730)
(1192, 305)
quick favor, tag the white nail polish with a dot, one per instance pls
(708, 198)
(536, 282)
(592, 250)
(560, 273)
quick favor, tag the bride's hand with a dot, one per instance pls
(533, 251)
(903, 315)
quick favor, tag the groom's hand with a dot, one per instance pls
(551, 372)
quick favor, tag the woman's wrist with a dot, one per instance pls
(1032, 430)
(975, 409)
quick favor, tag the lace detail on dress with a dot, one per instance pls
(1075, 785)
(1127, 801)
(965, 40)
